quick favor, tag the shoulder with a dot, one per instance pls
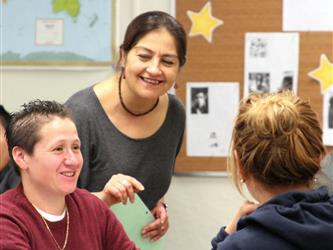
(11, 197)
(175, 104)
(14, 207)
(80, 99)
(176, 111)
(16, 218)
(243, 239)
(82, 106)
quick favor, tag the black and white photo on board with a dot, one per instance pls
(258, 47)
(287, 81)
(259, 82)
(330, 112)
(199, 101)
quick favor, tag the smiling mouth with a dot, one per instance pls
(68, 174)
(150, 81)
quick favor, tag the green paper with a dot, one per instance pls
(133, 217)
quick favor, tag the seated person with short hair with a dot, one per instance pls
(47, 211)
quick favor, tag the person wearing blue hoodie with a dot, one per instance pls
(276, 148)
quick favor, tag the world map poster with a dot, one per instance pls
(56, 32)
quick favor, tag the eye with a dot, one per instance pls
(59, 149)
(144, 57)
(168, 62)
(76, 147)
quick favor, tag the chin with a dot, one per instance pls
(68, 190)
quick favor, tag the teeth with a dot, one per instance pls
(151, 81)
(69, 174)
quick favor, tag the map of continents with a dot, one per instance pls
(51, 31)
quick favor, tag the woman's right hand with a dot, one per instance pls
(246, 208)
(120, 188)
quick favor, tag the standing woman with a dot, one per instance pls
(131, 129)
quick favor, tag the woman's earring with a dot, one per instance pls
(176, 85)
(242, 180)
(123, 72)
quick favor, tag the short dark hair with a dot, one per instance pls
(153, 20)
(24, 126)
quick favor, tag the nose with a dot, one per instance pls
(72, 158)
(154, 68)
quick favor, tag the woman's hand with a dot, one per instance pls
(246, 208)
(120, 188)
(160, 225)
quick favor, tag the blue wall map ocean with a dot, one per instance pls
(83, 27)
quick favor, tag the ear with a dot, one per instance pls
(123, 58)
(20, 157)
(238, 165)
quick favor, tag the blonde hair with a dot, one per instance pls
(278, 140)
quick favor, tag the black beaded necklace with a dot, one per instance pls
(124, 106)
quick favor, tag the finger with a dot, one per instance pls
(129, 189)
(157, 237)
(155, 225)
(138, 187)
(114, 192)
(157, 234)
(121, 189)
(153, 234)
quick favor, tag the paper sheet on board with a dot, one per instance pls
(211, 109)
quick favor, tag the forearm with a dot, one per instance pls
(104, 197)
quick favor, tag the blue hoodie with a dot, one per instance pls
(292, 220)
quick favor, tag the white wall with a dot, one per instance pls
(19, 85)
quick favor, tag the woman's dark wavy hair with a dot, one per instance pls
(153, 20)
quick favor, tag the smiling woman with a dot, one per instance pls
(130, 127)
(47, 211)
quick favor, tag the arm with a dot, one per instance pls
(219, 238)
(11, 235)
(160, 226)
(217, 242)
(120, 188)
(246, 208)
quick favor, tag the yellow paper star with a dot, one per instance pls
(323, 74)
(203, 23)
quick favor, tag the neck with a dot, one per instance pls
(263, 193)
(127, 105)
(45, 201)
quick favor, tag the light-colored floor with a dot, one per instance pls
(198, 207)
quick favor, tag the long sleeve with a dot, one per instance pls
(218, 239)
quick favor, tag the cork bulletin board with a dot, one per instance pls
(223, 59)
